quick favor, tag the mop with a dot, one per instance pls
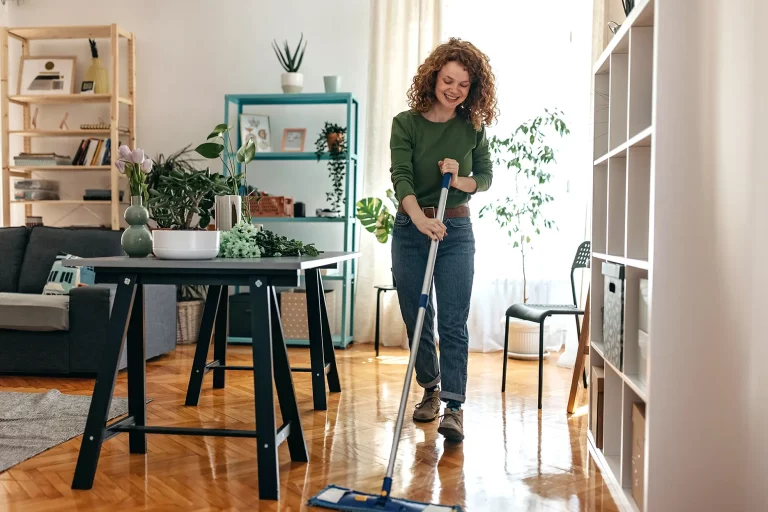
(340, 498)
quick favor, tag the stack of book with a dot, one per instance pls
(40, 159)
(93, 152)
(36, 190)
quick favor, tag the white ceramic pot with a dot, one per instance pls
(229, 212)
(168, 244)
(292, 82)
(523, 339)
(332, 83)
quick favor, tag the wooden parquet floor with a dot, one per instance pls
(513, 458)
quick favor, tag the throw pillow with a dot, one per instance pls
(62, 279)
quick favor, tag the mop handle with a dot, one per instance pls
(423, 301)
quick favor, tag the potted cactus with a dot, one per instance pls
(292, 81)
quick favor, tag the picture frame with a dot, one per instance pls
(42, 75)
(256, 127)
(86, 87)
(293, 140)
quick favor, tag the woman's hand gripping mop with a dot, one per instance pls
(339, 498)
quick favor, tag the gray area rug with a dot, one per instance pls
(31, 423)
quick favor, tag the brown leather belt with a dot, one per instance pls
(450, 213)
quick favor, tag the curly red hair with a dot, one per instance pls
(480, 106)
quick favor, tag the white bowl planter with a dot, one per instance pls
(168, 244)
(523, 339)
(292, 82)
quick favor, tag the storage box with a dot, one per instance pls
(294, 313)
(270, 206)
(613, 317)
(596, 404)
(642, 359)
(638, 452)
(644, 315)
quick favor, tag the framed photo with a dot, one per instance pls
(256, 127)
(86, 87)
(293, 140)
(47, 75)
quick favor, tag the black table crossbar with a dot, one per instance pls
(282, 434)
(218, 366)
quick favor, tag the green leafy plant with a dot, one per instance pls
(628, 6)
(214, 148)
(524, 215)
(181, 161)
(332, 139)
(179, 196)
(375, 217)
(291, 63)
(246, 241)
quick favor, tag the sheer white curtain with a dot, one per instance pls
(540, 54)
(403, 33)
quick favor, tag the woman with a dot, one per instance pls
(452, 100)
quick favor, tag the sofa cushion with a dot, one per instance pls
(45, 243)
(32, 312)
(13, 242)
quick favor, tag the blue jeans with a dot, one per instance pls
(454, 273)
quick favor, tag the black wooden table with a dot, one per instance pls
(270, 355)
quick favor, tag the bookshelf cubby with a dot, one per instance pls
(117, 107)
(622, 208)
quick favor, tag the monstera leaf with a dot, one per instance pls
(375, 217)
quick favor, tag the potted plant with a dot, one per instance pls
(375, 217)
(230, 208)
(523, 215)
(333, 141)
(247, 241)
(190, 300)
(136, 241)
(292, 81)
(182, 205)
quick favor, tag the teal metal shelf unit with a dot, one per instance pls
(348, 220)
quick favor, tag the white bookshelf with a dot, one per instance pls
(621, 211)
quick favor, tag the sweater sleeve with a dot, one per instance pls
(482, 168)
(401, 150)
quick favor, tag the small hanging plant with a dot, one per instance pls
(332, 139)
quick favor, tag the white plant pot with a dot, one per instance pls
(523, 339)
(292, 82)
(170, 244)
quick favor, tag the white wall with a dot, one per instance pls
(708, 422)
(189, 54)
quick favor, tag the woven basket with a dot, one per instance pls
(188, 316)
(271, 206)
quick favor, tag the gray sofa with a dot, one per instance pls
(56, 343)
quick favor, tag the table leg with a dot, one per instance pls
(378, 319)
(137, 399)
(220, 338)
(334, 386)
(286, 394)
(203, 344)
(93, 436)
(266, 432)
(316, 350)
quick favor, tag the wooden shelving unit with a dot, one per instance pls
(622, 209)
(25, 35)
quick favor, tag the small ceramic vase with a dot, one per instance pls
(137, 239)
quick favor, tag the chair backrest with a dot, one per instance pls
(582, 256)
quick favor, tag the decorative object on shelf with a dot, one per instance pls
(375, 217)
(247, 241)
(627, 5)
(332, 83)
(101, 125)
(100, 194)
(613, 27)
(36, 190)
(613, 314)
(31, 221)
(228, 211)
(63, 125)
(523, 215)
(293, 140)
(292, 81)
(34, 119)
(137, 239)
(189, 308)
(47, 75)
(261, 204)
(86, 87)
(256, 127)
(332, 138)
(96, 72)
(299, 210)
(40, 159)
(236, 178)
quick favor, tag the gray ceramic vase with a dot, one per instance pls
(137, 239)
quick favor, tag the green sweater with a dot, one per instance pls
(417, 145)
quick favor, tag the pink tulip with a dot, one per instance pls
(125, 152)
(120, 166)
(137, 156)
(146, 165)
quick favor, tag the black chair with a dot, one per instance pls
(539, 312)
(381, 289)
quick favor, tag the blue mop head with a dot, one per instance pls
(339, 498)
